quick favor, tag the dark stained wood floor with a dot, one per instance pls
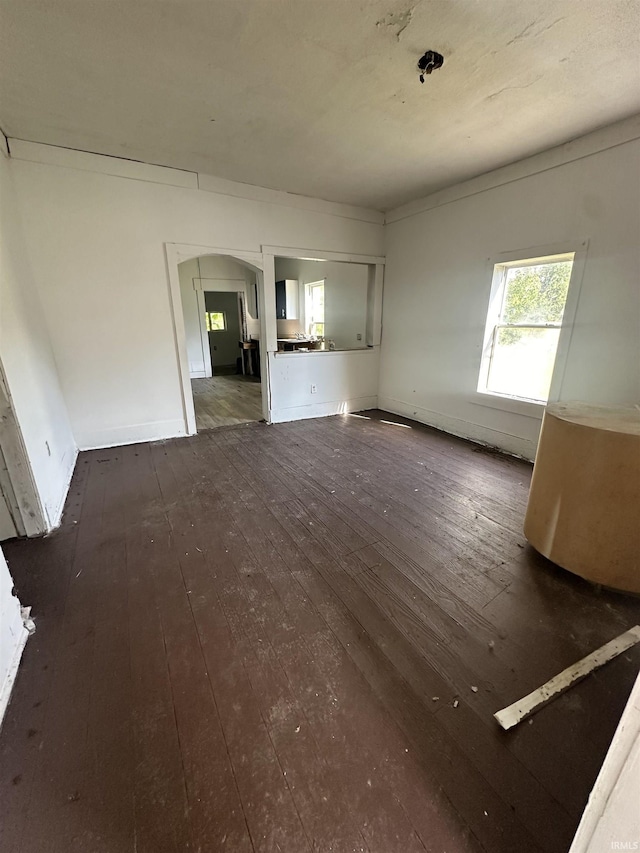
(254, 640)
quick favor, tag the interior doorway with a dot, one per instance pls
(219, 302)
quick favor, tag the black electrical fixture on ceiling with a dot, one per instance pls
(428, 62)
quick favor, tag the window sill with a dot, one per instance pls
(509, 404)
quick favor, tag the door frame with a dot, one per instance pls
(24, 504)
(224, 285)
(177, 253)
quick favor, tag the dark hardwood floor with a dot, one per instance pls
(293, 638)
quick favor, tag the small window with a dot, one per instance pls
(315, 308)
(216, 321)
(523, 327)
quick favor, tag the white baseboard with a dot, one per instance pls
(508, 442)
(54, 515)
(322, 410)
(133, 434)
(7, 686)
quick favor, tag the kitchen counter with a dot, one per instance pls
(291, 344)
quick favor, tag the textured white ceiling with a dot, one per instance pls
(318, 97)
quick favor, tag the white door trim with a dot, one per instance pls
(176, 253)
(32, 518)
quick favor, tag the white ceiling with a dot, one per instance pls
(318, 97)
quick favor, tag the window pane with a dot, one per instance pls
(317, 303)
(522, 362)
(536, 294)
(216, 321)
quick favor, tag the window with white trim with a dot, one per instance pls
(314, 308)
(524, 320)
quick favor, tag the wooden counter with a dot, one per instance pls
(584, 503)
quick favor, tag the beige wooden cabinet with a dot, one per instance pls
(584, 503)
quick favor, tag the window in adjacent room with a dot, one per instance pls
(216, 321)
(526, 309)
(314, 308)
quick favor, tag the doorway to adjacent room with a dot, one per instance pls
(222, 336)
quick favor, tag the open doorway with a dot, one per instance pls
(222, 330)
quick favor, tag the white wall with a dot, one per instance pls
(29, 364)
(96, 245)
(345, 297)
(12, 635)
(438, 280)
(345, 381)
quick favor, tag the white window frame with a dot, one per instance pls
(498, 267)
(308, 286)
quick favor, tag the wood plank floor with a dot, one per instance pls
(269, 638)
(226, 400)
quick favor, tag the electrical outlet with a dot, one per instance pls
(359, 337)
(314, 389)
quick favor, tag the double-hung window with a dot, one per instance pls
(525, 317)
(314, 308)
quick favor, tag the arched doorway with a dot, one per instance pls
(216, 297)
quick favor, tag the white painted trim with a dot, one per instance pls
(222, 285)
(201, 307)
(496, 269)
(267, 304)
(105, 164)
(55, 517)
(221, 186)
(173, 255)
(568, 320)
(469, 430)
(134, 434)
(577, 149)
(7, 686)
(375, 290)
(619, 768)
(189, 251)
(16, 457)
(306, 254)
(516, 712)
(268, 328)
(507, 404)
(176, 253)
(323, 410)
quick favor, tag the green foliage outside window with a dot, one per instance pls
(535, 295)
(215, 321)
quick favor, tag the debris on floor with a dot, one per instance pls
(513, 714)
(27, 621)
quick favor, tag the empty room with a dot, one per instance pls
(319, 426)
